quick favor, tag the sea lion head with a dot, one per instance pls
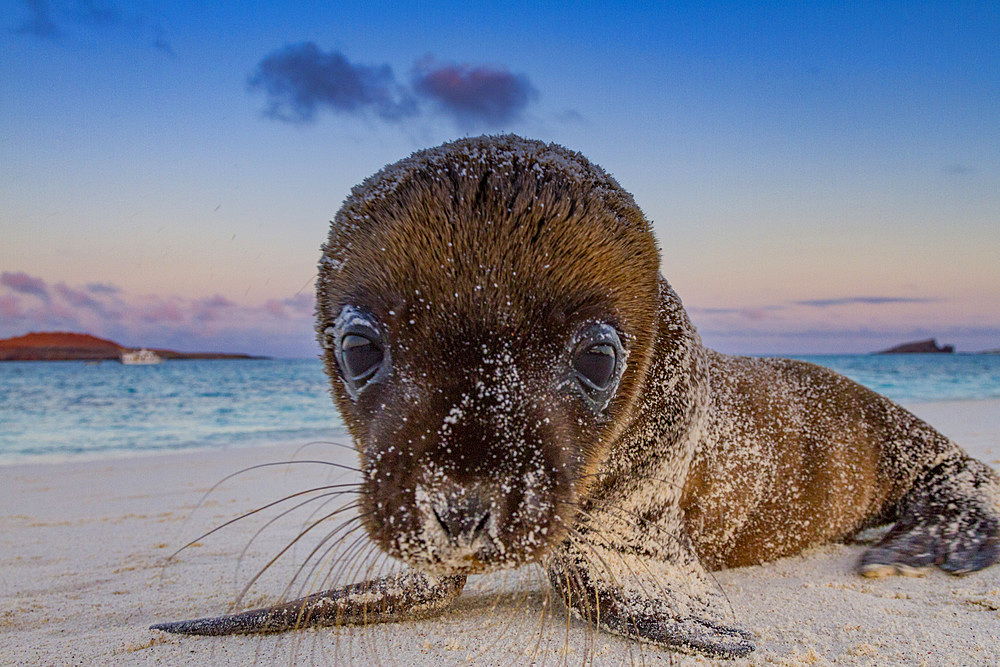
(487, 314)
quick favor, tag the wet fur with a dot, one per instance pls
(481, 258)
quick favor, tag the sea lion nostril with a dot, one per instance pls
(442, 522)
(482, 524)
(463, 520)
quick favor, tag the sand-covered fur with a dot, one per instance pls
(460, 293)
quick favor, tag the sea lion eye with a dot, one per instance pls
(361, 356)
(598, 363)
(359, 348)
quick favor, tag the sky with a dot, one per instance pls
(822, 177)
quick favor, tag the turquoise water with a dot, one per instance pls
(59, 410)
(62, 410)
(909, 378)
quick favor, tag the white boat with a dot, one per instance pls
(141, 357)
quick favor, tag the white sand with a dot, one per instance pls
(82, 575)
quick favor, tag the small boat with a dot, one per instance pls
(141, 357)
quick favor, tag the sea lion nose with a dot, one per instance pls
(463, 518)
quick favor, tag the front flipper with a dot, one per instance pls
(950, 518)
(640, 598)
(404, 596)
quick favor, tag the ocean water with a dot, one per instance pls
(54, 411)
(65, 409)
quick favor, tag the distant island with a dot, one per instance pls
(63, 346)
(929, 346)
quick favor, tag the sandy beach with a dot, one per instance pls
(84, 572)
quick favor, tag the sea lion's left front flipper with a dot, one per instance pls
(950, 518)
(410, 594)
(638, 597)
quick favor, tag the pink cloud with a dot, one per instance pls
(301, 304)
(9, 307)
(280, 326)
(754, 314)
(162, 311)
(275, 307)
(481, 94)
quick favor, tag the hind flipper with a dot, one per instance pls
(950, 519)
(408, 595)
(636, 597)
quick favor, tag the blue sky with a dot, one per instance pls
(821, 178)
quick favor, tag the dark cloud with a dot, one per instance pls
(754, 313)
(25, 284)
(161, 44)
(481, 95)
(54, 20)
(39, 22)
(303, 302)
(301, 79)
(216, 301)
(959, 170)
(854, 300)
(102, 288)
(571, 116)
(94, 12)
(77, 297)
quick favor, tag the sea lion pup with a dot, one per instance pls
(522, 385)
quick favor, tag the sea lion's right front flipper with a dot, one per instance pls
(640, 598)
(408, 595)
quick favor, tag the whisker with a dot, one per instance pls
(273, 464)
(507, 621)
(251, 513)
(283, 551)
(329, 497)
(327, 545)
(645, 565)
(376, 571)
(325, 442)
(327, 549)
(342, 526)
(580, 540)
(642, 524)
(214, 487)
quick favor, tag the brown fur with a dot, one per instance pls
(458, 254)
(478, 263)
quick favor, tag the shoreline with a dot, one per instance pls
(110, 456)
(931, 408)
(85, 572)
